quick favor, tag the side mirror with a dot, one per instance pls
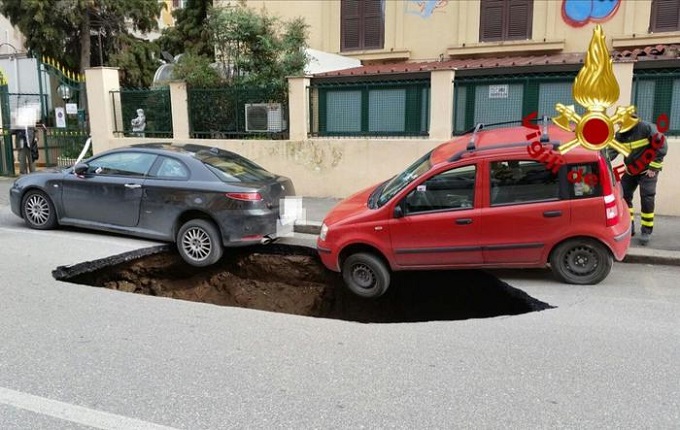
(80, 169)
(398, 212)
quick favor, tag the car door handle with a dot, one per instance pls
(133, 186)
(552, 214)
(464, 221)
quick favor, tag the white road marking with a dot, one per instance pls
(74, 413)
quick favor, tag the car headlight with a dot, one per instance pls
(323, 232)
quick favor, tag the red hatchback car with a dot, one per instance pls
(483, 201)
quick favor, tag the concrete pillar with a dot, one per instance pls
(101, 107)
(623, 72)
(298, 107)
(441, 104)
(180, 110)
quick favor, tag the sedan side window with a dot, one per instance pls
(122, 164)
(172, 169)
(450, 190)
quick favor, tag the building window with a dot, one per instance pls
(505, 20)
(375, 109)
(362, 24)
(665, 16)
(178, 4)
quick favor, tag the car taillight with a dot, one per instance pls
(248, 197)
(611, 211)
(610, 208)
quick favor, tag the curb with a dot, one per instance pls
(663, 260)
(307, 228)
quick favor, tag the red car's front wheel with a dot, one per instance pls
(366, 275)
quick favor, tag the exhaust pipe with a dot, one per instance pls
(266, 240)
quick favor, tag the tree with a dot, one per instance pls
(257, 49)
(189, 35)
(63, 29)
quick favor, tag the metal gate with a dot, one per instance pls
(61, 99)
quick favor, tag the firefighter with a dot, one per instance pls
(647, 149)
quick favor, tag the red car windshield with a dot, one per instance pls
(401, 181)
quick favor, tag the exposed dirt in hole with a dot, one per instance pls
(291, 279)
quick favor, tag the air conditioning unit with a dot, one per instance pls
(265, 117)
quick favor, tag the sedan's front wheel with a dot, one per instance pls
(38, 210)
(199, 243)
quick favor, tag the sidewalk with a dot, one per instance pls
(664, 248)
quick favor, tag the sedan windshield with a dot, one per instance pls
(402, 180)
(230, 167)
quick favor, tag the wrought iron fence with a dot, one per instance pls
(503, 98)
(62, 147)
(657, 92)
(237, 112)
(157, 107)
(373, 109)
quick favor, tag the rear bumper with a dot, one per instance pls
(620, 243)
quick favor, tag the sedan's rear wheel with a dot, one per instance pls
(199, 243)
(38, 210)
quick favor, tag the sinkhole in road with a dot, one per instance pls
(291, 279)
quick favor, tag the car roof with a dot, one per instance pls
(508, 141)
(179, 148)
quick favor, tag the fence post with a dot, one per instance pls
(441, 104)
(100, 81)
(179, 100)
(623, 72)
(298, 107)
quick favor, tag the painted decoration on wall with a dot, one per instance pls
(578, 13)
(425, 8)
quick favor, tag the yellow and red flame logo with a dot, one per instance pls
(596, 89)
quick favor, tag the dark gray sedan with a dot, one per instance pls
(199, 197)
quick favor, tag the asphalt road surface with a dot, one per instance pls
(77, 357)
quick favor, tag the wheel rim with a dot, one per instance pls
(581, 260)
(363, 276)
(37, 210)
(196, 244)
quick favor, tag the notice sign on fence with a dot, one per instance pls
(71, 108)
(60, 117)
(498, 91)
(27, 116)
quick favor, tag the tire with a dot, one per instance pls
(366, 275)
(581, 261)
(38, 211)
(199, 243)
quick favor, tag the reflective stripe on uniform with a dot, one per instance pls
(647, 219)
(655, 165)
(638, 143)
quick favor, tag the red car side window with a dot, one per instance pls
(452, 189)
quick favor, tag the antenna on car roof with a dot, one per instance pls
(471, 142)
(545, 120)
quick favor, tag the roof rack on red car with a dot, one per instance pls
(471, 142)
